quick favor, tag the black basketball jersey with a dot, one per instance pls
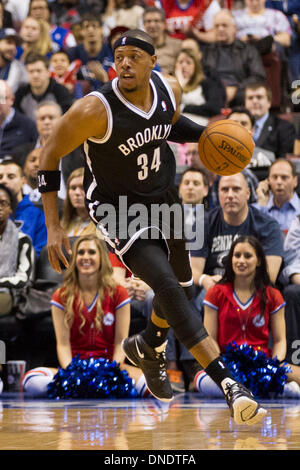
(133, 158)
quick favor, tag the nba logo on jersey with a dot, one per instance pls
(124, 41)
(164, 106)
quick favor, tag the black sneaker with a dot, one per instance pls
(152, 362)
(243, 406)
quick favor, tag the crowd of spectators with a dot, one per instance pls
(237, 60)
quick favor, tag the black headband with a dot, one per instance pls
(129, 41)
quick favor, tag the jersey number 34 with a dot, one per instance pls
(143, 163)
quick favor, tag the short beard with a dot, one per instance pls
(131, 90)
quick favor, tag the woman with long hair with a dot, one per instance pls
(203, 96)
(75, 218)
(243, 308)
(91, 316)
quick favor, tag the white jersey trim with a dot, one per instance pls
(109, 118)
(130, 106)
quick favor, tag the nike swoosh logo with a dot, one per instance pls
(141, 355)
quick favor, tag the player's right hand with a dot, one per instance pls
(57, 239)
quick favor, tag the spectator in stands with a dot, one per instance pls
(27, 217)
(244, 117)
(235, 63)
(291, 271)
(290, 8)
(260, 159)
(11, 69)
(41, 87)
(115, 33)
(235, 217)
(255, 22)
(68, 12)
(17, 11)
(17, 264)
(89, 300)
(65, 73)
(297, 144)
(48, 112)
(193, 187)
(30, 186)
(166, 47)
(270, 132)
(75, 218)
(192, 159)
(203, 96)
(122, 13)
(6, 19)
(16, 129)
(222, 226)
(30, 170)
(191, 18)
(277, 194)
(40, 9)
(95, 55)
(35, 35)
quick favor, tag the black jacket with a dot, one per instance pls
(21, 130)
(248, 66)
(26, 102)
(278, 136)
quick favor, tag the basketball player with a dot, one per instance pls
(124, 128)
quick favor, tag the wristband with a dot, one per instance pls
(48, 180)
(201, 279)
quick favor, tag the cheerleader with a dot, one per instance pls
(91, 316)
(244, 309)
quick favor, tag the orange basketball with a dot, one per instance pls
(225, 147)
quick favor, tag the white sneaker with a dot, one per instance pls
(243, 406)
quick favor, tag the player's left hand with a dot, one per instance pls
(57, 239)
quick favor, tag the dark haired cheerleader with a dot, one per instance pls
(240, 314)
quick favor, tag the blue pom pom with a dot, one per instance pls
(92, 378)
(264, 376)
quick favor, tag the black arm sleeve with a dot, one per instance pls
(185, 130)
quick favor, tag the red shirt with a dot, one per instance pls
(90, 342)
(179, 18)
(241, 322)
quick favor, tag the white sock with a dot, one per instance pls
(35, 381)
(206, 386)
(1, 385)
(141, 387)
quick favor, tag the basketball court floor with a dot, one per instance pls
(189, 423)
